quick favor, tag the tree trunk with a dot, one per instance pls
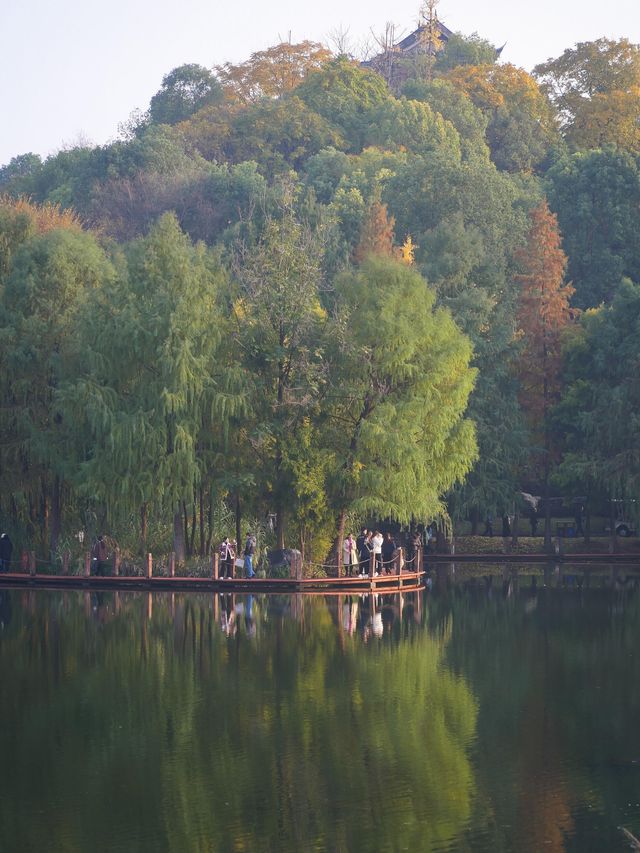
(192, 538)
(339, 540)
(56, 515)
(280, 527)
(201, 511)
(612, 529)
(514, 529)
(144, 527)
(185, 522)
(239, 522)
(547, 510)
(44, 516)
(178, 537)
(210, 531)
(587, 524)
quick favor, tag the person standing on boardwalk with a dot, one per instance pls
(249, 551)
(388, 548)
(488, 525)
(376, 542)
(227, 556)
(349, 555)
(6, 548)
(365, 547)
(506, 525)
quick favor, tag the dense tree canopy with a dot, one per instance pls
(242, 298)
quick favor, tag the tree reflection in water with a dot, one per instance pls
(212, 723)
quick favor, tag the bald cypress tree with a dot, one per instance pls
(401, 382)
(543, 313)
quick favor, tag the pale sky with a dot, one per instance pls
(73, 69)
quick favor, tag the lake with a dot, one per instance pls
(497, 711)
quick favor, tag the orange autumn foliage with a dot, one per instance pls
(376, 237)
(44, 217)
(543, 313)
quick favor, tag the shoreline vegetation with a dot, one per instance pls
(308, 292)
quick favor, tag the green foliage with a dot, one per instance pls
(184, 91)
(598, 413)
(346, 96)
(596, 196)
(454, 106)
(464, 50)
(402, 382)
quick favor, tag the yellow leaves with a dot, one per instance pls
(45, 217)
(273, 72)
(407, 251)
(608, 118)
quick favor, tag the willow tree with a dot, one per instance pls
(152, 338)
(48, 270)
(401, 380)
(280, 325)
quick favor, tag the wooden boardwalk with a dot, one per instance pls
(405, 582)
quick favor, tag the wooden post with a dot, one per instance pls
(417, 563)
(116, 562)
(215, 566)
(399, 557)
(32, 563)
(87, 564)
(65, 563)
(172, 564)
(149, 567)
(372, 564)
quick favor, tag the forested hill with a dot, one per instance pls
(295, 287)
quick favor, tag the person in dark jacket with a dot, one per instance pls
(506, 525)
(388, 549)
(6, 548)
(249, 552)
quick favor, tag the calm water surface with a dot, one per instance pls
(489, 714)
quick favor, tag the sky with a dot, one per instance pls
(72, 70)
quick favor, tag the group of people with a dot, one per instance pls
(356, 553)
(228, 552)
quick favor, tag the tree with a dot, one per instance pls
(51, 274)
(150, 377)
(596, 197)
(456, 107)
(608, 119)
(411, 125)
(347, 96)
(279, 328)
(184, 91)
(400, 385)
(271, 73)
(587, 70)
(543, 314)
(465, 50)
(376, 237)
(279, 135)
(16, 174)
(597, 414)
(521, 124)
